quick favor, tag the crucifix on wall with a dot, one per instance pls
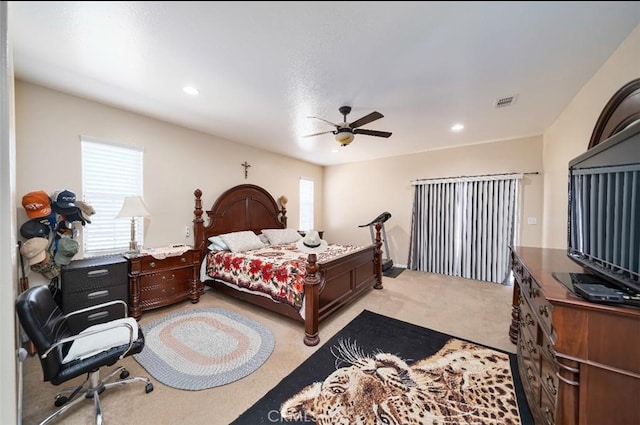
(246, 169)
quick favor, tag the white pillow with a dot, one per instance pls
(280, 236)
(264, 239)
(214, 248)
(91, 345)
(217, 240)
(242, 241)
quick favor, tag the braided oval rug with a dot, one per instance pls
(204, 348)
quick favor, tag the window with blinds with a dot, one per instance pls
(110, 172)
(306, 204)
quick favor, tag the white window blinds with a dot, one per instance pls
(306, 204)
(109, 173)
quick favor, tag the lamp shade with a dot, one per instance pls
(344, 138)
(133, 206)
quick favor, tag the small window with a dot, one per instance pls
(306, 204)
(110, 172)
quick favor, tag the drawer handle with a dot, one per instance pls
(544, 310)
(550, 384)
(98, 294)
(183, 260)
(152, 264)
(535, 293)
(98, 273)
(530, 376)
(548, 415)
(551, 352)
(169, 291)
(529, 319)
(173, 276)
(96, 316)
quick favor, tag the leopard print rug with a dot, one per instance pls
(462, 383)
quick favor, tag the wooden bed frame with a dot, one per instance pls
(621, 110)
(340, 281)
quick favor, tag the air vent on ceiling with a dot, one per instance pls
(503, 102)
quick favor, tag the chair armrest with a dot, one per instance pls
(85, 334)
(97, 306)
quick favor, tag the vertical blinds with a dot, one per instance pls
(109, 173)
(463, 227)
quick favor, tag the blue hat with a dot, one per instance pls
(64, 202)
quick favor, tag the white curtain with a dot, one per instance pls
(464, 226)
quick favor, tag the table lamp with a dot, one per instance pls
(133, 206)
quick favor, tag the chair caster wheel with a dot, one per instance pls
(148, 388)
(60, 401)
(124, 374)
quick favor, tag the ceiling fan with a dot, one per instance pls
(345, 131)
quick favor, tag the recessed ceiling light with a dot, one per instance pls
(457, 128)
(334, 150)
(191, 90)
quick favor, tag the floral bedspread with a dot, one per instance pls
(275, 270)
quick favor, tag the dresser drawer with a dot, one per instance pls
(528, 318)
(94, 273)
(530, 380)
(78, 300)
(528, 347)
(547, 409)
(79, 322)
(149, 263)
(549, 378)
(541, 307)
(165, 287)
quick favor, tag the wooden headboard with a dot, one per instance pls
(622, 109)
(243, 207)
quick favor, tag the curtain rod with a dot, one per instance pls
(479, 176)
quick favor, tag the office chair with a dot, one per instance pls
(65, 355)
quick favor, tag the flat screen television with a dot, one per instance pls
(604, 209)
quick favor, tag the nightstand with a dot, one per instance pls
(161, 277)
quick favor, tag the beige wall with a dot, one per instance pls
(570, 133)
(357, 193)
(176, 160)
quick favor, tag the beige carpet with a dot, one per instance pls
(473, 310)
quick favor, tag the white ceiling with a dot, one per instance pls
(263, 67)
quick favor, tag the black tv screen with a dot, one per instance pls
(604, 209)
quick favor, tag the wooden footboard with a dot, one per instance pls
(341, 281)
(328, 286)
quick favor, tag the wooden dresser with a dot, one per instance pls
(158, 282)
(579, 361)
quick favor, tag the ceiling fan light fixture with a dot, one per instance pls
(344, 138)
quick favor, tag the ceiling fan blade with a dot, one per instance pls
(317, 134)
(328, 122)
(366, 119)
(372, 132)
